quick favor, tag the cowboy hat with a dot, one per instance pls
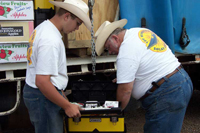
(104, 32)
(77, 7)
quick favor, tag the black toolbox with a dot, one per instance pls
(95, 120)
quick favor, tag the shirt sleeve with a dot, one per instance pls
(126, 70)
(47, 60)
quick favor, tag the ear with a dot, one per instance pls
(116, 38)
(66, 15)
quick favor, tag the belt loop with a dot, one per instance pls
(179, 68)
(165, 78)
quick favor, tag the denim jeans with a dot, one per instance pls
(44, 114)
(166, 106)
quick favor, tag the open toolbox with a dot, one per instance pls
(101, 113)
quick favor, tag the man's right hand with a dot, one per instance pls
(73, 110)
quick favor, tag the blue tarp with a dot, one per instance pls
(164, 17)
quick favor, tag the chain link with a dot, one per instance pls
(91, 4)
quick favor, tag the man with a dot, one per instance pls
(147, 69)
(46, 75)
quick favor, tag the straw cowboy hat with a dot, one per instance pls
(77, 7)
(104, 32)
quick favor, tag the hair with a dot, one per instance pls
(116, 32)
(62, 11)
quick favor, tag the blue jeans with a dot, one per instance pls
(44, 114)
(166, 106)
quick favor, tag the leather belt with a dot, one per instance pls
(159, 83)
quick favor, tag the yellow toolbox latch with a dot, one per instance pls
(76, 120)
(114, 119)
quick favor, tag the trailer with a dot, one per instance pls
(177, 23)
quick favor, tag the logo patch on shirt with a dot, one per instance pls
(30, 46)
(152, 41)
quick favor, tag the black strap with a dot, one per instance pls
(184, 40)
(143, 23)
(155, 84)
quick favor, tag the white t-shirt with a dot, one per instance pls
(143, 58)
(46, 56)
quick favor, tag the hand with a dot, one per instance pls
(114, 80)
(73, 110)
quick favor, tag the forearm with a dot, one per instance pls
(123, 97)
(124, 93)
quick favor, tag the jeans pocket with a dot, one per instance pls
(173, 100)
(32, 103)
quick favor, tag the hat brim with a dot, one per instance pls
(75, 10)
(105, 33)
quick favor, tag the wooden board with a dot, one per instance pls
(103, 10)
(79, 44)
(81, 52)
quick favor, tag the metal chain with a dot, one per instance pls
(91, 4)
